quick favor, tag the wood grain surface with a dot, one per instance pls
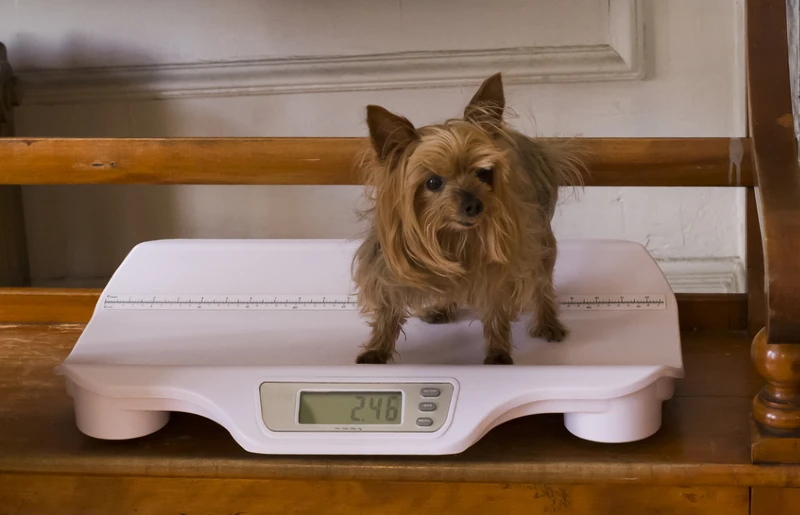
(775, 501)
(330, 161)
(48, 305)
(22, 494)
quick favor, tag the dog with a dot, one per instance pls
(459, 216)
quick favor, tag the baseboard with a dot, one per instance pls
(712, 275)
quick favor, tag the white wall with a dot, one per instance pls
(285, 68)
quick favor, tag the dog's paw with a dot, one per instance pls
(437, 316)
(371, 357)
(498, 358)
(552, 331)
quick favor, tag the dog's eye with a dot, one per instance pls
(486, 175)
(434, 183)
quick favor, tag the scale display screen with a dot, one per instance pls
(350, 408)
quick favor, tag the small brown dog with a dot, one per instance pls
(460, 217)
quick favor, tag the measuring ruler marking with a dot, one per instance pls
(231, 302)
(631, 302)
(635, 302)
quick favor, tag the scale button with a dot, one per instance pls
(424, 421)
(427, 406)
(430, 392)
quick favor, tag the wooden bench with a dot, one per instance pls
(727, 445)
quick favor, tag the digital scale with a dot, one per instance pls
(261, 337)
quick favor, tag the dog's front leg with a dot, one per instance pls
(546, 323)
(497, 338)
(386, 324)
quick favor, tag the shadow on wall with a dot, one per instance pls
(78, 235)
(74, 230)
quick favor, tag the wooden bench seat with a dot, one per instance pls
(38, 433)
(702, 450)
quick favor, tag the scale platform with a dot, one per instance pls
(261, 337)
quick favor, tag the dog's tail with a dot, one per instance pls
(553, 165)
(568, 158)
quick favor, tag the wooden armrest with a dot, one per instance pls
(775, 161)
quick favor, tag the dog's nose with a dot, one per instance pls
(470, 204)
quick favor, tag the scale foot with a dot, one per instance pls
(104, 417)
(627, 419)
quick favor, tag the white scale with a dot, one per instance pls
(261, 337)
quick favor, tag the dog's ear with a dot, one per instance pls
(390, 134)
(488, 103)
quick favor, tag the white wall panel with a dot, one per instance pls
(241, 68)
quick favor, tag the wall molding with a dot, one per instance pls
(712, 275)
(623, 58)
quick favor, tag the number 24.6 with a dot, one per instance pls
(375, 404)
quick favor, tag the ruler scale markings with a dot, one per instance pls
(629, 302)
(613, 302)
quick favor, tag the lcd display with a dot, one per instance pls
(350, 408)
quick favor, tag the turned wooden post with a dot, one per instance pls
(776, 408)
(776, 348)
(13, 245)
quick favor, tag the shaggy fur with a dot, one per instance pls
(459, 218)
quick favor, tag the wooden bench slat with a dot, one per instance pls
(329, 161)
(78, 495)
(47, 305)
